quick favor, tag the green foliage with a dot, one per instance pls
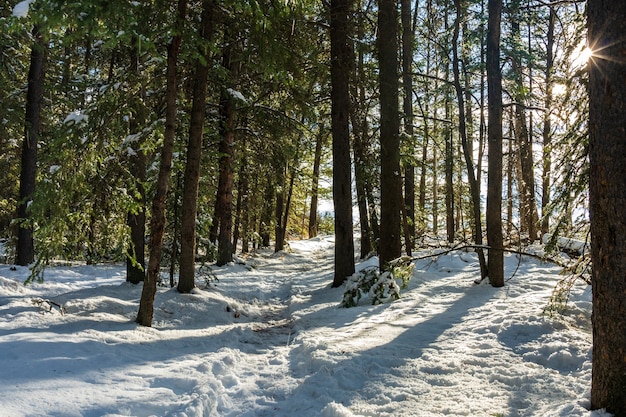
(379, 287)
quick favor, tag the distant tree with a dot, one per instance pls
(227, 154)
(340, 65)
(390, 179)
(186, 281)
(495, 265)
(32, 127)
(607, 193)
(158, 218)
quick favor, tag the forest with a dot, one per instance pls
(168, 134)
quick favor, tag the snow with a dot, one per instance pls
(21, 9)
(269, 339)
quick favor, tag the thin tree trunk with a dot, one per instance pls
(407, 106)
(227, 152)
(547, 126)
(158, 218)
(136, 219)
(341, 61)
(317, 160)
(495, 266)
(28, 171)
(186, 280)
(467, 150)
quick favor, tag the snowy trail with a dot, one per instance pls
(268, 339)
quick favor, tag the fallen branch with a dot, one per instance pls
(48, 305)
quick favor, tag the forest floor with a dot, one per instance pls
(269, 339)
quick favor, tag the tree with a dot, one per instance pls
(158, 219)
(495, 266)
(390, 178)
(186, 281)
(467, 152)
(341, 59)
(407, 107)
(227, 152)
(607, 193)
(32, 127)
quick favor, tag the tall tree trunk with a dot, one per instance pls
(341, 60)
(279, 237)
(547, 126)
(526, 181)
(607, 193)
(449, 173)
(390, 178)
(266, 215)
(227, 152)
(317, 160)
(465, 140)
(360, 144)
(186, 280)
(495, 265)
(158, 218)
(32, 127)
(407, 107)
(136, 219)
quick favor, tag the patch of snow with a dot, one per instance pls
(269, 339)
(21, 9)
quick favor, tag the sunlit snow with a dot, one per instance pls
(268, 339)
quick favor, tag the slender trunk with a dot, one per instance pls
(28, 171)
(467, 150)
(136, 219)
(319, 144)
(407, 106)
(494, 138)
(341, 61)
(227, 154)
(158, 218)
(186, 281)
(547, 126)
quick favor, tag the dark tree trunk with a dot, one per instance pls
(279, 237)
(313, 221)
(465, 143)
(390, 178)
(226, 151)
(495, 265)
(186, 280)
(407, 107)
(340, 69)
(158, 219)
(547, 126)
(266, 216)
(607, 192)
(28, 171)
(360, 144)
(136, 219)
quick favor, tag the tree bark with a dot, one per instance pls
(467, 150)
(340, 66)
(227, 155)
(25, 253)
(136, 219)
(495, 267)
(547, 126)
(319, 144)
(186, 280)
(158, 218)
(607, 194)
(390, 178)
(407, 107)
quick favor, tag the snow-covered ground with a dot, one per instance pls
(269, 339)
